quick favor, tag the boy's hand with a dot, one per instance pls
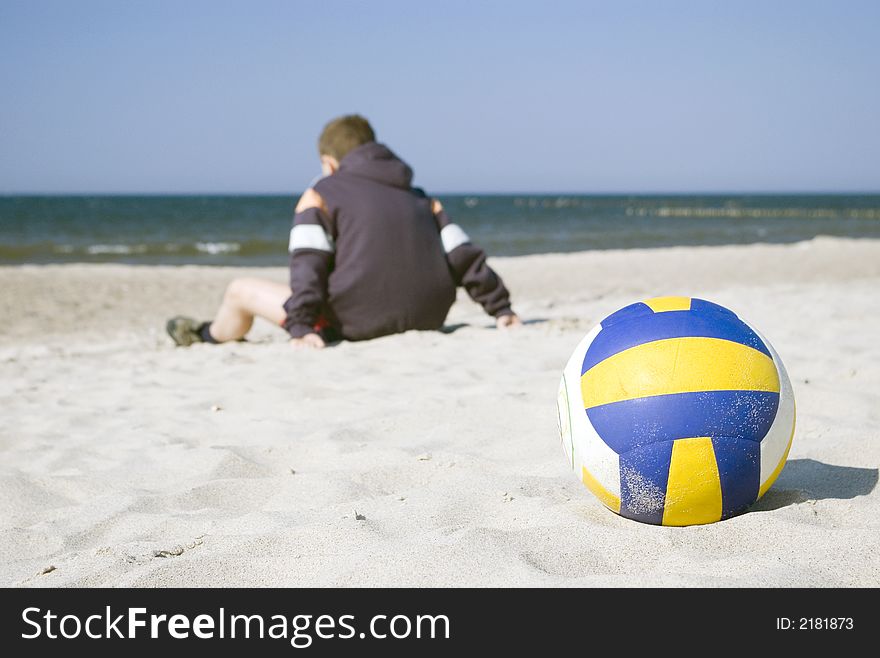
(309, 341)
(508, 321)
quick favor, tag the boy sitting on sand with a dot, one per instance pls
(370, 255)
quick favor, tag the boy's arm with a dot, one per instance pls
(467, 262)
(311, 260)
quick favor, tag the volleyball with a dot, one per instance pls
(675, 411)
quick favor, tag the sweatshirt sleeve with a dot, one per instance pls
(311, 260)
(467, 262)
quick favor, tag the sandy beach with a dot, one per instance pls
(427, 458)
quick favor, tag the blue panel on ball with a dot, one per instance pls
(739, 467)
(702, 306)
(636, 310)
(705, 320)
(644, 473)
(628, 424)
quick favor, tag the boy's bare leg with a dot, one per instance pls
(245, 299)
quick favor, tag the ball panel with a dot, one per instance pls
(663, 304)
(766, 484)
(775, 446)
(739, 469)
(563, 419)
(631, 312)
(634, 328)
(777, 443)
(693, 488)
(607, 498)
(630, 423)
(643, 476)
(678, 365)
(594, 454)
(587, 447)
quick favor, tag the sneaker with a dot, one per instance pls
(184, 331)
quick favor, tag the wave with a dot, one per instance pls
(98, 249)
(634, 208)
(757, 213)
(217, 252)
(215, 248)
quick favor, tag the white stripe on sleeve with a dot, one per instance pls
(310, 236)
(453, 236)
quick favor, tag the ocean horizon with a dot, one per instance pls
(252, 229)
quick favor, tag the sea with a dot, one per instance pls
(253, 229)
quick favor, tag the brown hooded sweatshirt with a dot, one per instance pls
(379, 261)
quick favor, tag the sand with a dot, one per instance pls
(425, 458)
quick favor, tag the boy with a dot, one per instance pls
(370, 255)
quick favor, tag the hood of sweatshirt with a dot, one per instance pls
(376, 162)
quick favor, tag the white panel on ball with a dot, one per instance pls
(590, 450)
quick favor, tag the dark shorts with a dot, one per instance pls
(323, 327)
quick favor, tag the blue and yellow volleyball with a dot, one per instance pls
(675, 411)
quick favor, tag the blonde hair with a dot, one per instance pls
(343, 134)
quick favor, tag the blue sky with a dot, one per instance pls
(478, 96)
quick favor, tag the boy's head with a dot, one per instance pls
(340, 136)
